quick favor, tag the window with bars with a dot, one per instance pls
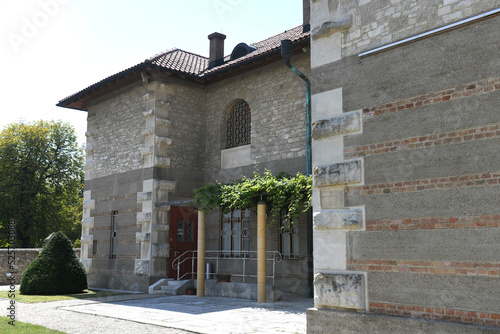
(289, 238)
(185, 231)
(235, 233)
(113, 230)
(238, 125)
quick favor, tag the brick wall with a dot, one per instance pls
(428, 180)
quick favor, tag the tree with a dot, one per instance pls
(41, 180)
(56, 270)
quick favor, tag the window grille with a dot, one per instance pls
(235, 233)
(238, 125)
(114, 228)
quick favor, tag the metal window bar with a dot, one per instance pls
(113, 233)
(191, 255)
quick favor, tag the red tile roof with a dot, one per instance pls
(184, 64)
(182, 61)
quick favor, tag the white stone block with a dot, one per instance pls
(326, 50)
(326, 150)
(143, 217)
(348, 172)
(88, 222)
(349, 219)
(87, 264)
(141, 267)
(329, 250)
(165, 185)
(236, 157)
(162, 161)
(142, 237)
(326, 104)
(339, 290)
(160, 250)
(87, 239)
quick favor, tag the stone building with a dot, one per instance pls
(162, 128)
(406, 98)
(405, 162)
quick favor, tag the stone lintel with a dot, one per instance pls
(339, 290)
(350, 219)
(141, 267)
(348, 172)
(339, 125)
(331, 27)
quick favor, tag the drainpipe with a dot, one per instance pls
(287, 53)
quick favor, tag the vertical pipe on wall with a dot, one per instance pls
(261, 252)
(200, 277)
(287, 52)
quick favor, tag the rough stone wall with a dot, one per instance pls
(404, 199)
(378, 22)
(276, 97)
(115, 127)
(23, 257)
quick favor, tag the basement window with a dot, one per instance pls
(113, 232)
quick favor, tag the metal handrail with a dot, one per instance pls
(242, 256)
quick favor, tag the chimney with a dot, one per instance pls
(216, 57)
(306, 15)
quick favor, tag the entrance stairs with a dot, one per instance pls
(169, 287)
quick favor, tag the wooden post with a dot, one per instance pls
(261, 252)
(200, 273)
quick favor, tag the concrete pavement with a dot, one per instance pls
(180, 313)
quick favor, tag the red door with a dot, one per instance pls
(183, 237)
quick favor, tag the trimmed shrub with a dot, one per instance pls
(56, 270)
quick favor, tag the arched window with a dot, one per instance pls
(238, 125)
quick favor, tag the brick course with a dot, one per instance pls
(435, 313)
(466, 268)
(424, 223)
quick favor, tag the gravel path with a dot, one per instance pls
(51, 315)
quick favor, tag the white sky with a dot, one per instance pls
(50, 49)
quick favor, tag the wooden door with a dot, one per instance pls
(183, 236)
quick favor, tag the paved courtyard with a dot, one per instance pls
(167, 314)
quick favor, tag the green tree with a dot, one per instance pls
(41, 180)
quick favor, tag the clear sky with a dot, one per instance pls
(50, 49)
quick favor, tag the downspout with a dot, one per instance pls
(287, 53)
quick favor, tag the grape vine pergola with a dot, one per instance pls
(269, 193)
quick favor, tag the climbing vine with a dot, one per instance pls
(283, 192)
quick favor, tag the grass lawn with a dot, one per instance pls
(50, 298)
(23, 328)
